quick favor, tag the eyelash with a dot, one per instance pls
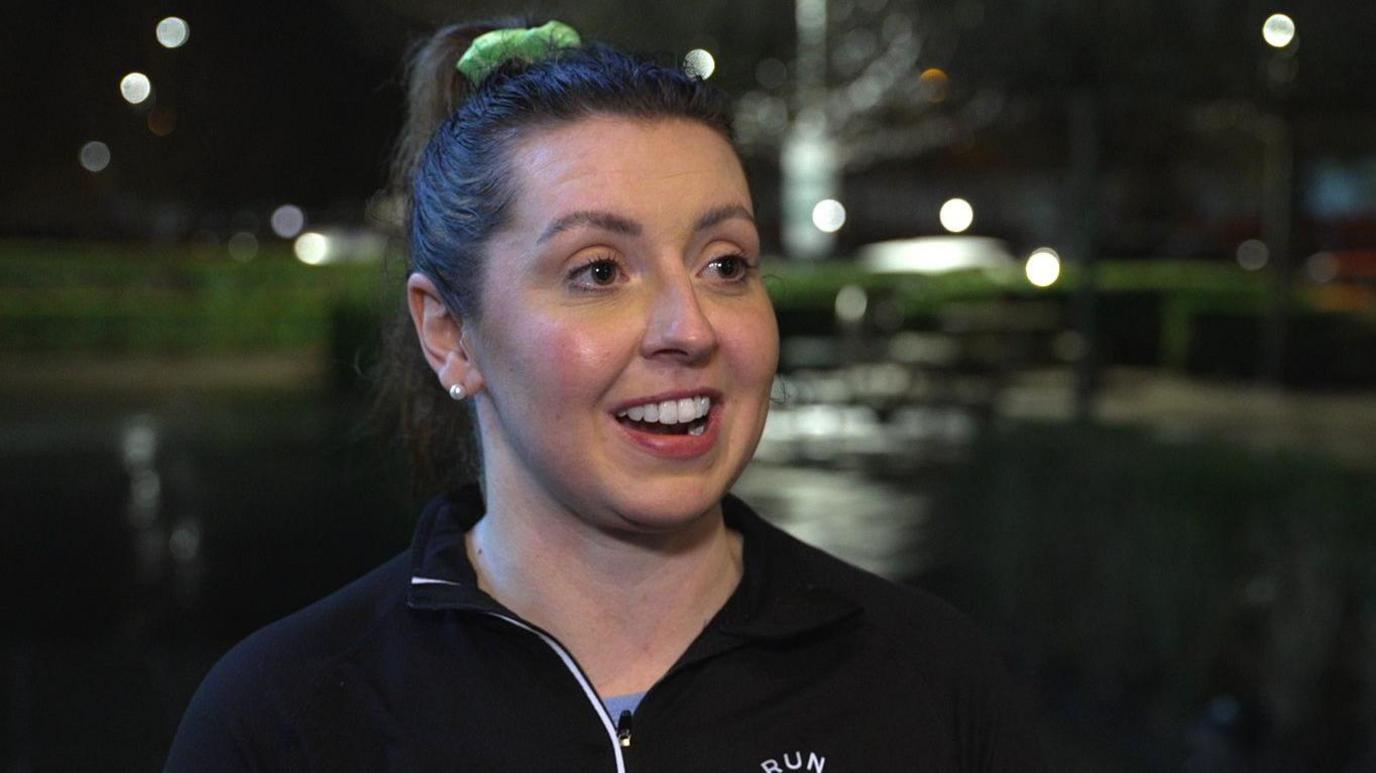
(747, 267)
(586, 268)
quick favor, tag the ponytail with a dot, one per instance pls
(434, 90)
(439, 435)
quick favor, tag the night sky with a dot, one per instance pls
(272, 102)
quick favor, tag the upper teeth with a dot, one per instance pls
(670, 411)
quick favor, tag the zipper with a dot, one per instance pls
(620, 733)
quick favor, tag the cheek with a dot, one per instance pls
(750, 339)
(563, 357)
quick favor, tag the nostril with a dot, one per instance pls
(679, 326)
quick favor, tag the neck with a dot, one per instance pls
(626, 604)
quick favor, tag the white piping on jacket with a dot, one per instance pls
(569, 663)
(430, 581)
(583, 682)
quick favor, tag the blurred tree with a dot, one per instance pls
(870, 83)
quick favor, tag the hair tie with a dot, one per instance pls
(490, 49)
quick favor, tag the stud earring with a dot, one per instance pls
(457, 392)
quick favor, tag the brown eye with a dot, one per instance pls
(603, 272)
(596, 274)
(729, 266)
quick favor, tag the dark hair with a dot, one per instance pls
(453, 168)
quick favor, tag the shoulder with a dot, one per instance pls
(328, 628)
(929, 651)
(913, 621)
(241, 715)
(905, 613)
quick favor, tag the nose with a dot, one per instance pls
(678, 327)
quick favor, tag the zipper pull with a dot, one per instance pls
(623, 729)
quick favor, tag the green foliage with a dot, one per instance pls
(80, 297)
(59, 297)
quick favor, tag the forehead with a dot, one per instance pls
(645, 168)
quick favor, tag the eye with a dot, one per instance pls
(597, 272)
(602, 272)
(732, 268)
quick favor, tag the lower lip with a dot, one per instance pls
(683, 446)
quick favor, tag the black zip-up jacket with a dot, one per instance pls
(811, 665)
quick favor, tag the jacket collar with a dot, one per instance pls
(775, 599)
(441, 576)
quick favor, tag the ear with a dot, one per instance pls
(443, 338)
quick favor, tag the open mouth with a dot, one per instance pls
(685, 416)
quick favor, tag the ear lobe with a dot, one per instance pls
(441, 335)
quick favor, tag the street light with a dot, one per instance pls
(173, 32)
(956, 215)
(95, 156)
(1278, 31)
(828, 216)
(700, 62)
(135, 87)
(1043, 267)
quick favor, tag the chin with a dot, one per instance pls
(668, 507)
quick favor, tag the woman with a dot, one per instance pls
(585, 278)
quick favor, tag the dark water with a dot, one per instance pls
(143, 538)
(1169, 606)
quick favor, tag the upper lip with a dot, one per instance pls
(677, 394)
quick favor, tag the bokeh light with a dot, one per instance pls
(288, 220)
(185, 541)
(935, 84)
(828, 215)
(1043, 267)
(173, 32)
(1278, 30)
(851, 302)
(135, 87)
(700, 63)
(243, 246)
(312, 248)
(162, 121)
(1322, 267)
(956, 215)
(95, 156)
(865, 92)
(1253, 254)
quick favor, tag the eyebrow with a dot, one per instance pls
(608, 221)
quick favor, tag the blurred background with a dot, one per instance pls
(1078, 301)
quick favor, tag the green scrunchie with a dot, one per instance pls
(490, 49)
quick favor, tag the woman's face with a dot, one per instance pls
(626, 345)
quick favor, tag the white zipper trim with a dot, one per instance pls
(430, 581)
(569, 663)
(577, 672)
